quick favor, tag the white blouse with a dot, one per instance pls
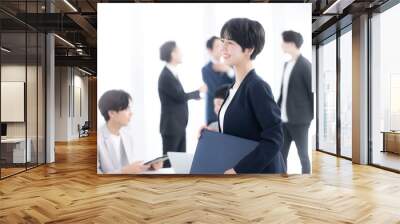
(224, 107)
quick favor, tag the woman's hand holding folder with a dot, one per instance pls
(230, 171)
(204, 127)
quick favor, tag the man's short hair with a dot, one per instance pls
(113, 100)
(166, 50)
(210, 42)
(291, 36)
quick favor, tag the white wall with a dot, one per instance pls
(12, 101)
(80, 84)
(128, 55)
(61, 103)
(68, 81)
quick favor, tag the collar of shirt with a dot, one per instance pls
(173, 69)
(288, 68)
(292, 61)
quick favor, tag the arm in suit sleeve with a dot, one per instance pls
(176, 92)
(204, 75)
(205, 72)
(268, 115)
(281, 92)
(308, 81)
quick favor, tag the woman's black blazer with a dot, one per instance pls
(253, 114)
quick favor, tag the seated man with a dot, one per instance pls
(115, 148)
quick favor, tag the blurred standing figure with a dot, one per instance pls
(215, 74)
(219, 97)
(174, 106)
(296, 100)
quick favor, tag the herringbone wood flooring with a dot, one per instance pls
(70, 191)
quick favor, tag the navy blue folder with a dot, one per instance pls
(217, 152)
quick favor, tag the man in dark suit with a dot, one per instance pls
(215, 74)
(296, 100)
(174, 107)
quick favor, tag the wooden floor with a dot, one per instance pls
(387, 159)
(10, 171)
(70, 191)
(5, 172)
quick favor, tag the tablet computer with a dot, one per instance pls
(156, 160)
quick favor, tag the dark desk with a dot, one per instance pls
(391, 141)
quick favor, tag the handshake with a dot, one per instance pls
(203, 88)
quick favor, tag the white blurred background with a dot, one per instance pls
(129, 38)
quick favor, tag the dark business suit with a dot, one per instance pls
(174, 112)
(213, 80)
(299, 110)
(253, 114)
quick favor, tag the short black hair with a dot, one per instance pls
(166, 50)
(247, 33)
(222, 91)
(294, 37)
(113, 100)
(210, 42)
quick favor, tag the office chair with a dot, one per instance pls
(84, 130)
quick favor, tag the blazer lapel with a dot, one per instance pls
(243, 83)
(171, 75)
(292, 74)
(283, 76)
(294, 70)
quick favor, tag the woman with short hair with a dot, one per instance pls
(249, 110)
